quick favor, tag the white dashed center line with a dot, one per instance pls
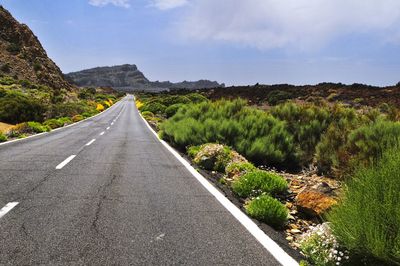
(102, 133)
(112, 123)
(108, 128)
(8, 208)
(90, 142)
(65, 162)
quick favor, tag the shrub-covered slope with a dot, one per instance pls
(29, 105)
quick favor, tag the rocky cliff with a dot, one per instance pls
(116, 76)
(128, 77)
(23, 57)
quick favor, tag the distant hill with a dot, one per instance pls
(23, 57)
(128, 77)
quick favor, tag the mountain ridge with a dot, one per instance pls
(128, 77)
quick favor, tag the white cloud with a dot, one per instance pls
(119, 3)
(168, 4)
(267, 24)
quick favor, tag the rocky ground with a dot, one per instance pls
(309, 197)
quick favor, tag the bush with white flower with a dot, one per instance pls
(321, 248)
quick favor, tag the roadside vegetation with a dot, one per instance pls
(249, 147)
(27, 108)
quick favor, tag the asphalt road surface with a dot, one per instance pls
(106, 192)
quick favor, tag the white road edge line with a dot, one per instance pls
(65, 162)
(9, 206)
(90, 142)
(108, 128)
(102, 133)
(276, 251)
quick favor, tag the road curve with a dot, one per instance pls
(88, 195)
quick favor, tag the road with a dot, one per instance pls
(120, 198)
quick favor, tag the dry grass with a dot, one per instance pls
(5, 127)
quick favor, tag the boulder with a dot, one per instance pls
(315, 201)
(216, 157)
(208, 155)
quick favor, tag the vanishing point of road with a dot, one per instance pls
(107, 192)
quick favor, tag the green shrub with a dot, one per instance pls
(16, 108)
(7, 80)
(269, 210)
(172, 110)
(304, 263)
(3, 137)
(192, 151)
(23, 129)
(14, 48)
(331, 153)
(70, 109)
(65, 120)
(253, 133)
(100, 97)
(307, 123)
(90, 113)
(196, 98)
(3, 92)
(56, 99)
(147, 114)
(53, 123)
(367, 219)
(172, 99)
(184, 132)
(37, 127)
(160, 134)
(5, 68)
(59, 122)
(367, 143)
(154, 107)
(77, 118)
(277, 96)
(37, 66)
(27, 84)
(239, 168)
(257, 182)
(87, 94)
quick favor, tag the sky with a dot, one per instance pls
(238, 42)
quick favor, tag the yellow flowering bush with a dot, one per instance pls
(139, 104)
(100, 107)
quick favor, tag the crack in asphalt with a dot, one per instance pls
(103, 197)
(29, 236)
(102, 191)
(37, 185)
